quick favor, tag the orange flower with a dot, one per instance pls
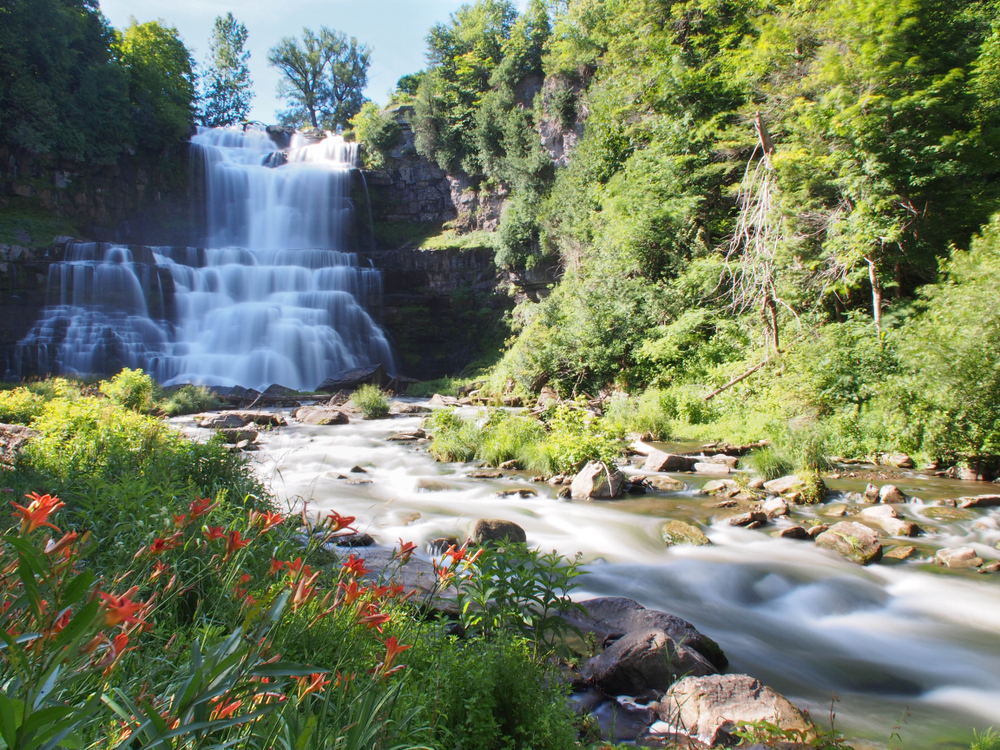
(181, 521)
(224, 712)
(266, 521)
(352, 591)
(355, 566)
(38, 511)
(374, 618)
(64, 545)
(405, 550)
(159, 546)
(276, 566)
(392, 650)
(121, 609)
(158, 569)
(234, 542)
(335, 522)
(314, 683)
(214, 532)
(199, 507)
(304, 590)
(62, 621)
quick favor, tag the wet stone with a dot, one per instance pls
(853, 541)
(515, 493)
(949, 514)
(754, 519)
(679, 532)
(794, 532)
(958, 557)
(666, 484)
(899, 553)
(485, 474)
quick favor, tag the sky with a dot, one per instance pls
(394, 29)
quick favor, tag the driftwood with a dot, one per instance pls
(737, 379)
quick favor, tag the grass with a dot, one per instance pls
(427, 236)
(371, 401)
(27, 214)
(188, 399)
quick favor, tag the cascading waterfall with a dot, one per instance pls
(274, 297)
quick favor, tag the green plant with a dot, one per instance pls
(767, 463)
(20, 406)
(988, 740)
(132, 389)
(371, 401)
(575, 436)
(188, 399)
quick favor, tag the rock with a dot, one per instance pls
(890, 493)
(547, 395)
(13, 439)
(321, 415)
(355, 539)
(992, 567)
(433, 485)
(794, 532)
(949, 514)
(785, 484)
(775, 507)
(815, 531)
(437, 547)
(666, 484)
(556, 480)
(757, 483)
(881, 511)
(678, 532)
(642, 660)
(871, 494)
(720, 486)
(659, 461)
(980, 501)
(899, 460)
(354, 378)
(401, 407)
(509, 465)
(898, 553)
(224, 420)
(515, 493)
(406, 437)
(710, 468)
(438, 400)
(886, 517)
(596, 481)
(238, 435)
(264, 419)
(709, 707)
(611, 617)
(853, 541)
(484, 474)
(358, 470)
(837, 511)
(749, 519)
(958, 557)
(489, 530)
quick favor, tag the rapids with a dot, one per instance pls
(890, 642)
(277, 295)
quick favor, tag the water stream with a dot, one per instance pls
(899, 640)
(277, 294)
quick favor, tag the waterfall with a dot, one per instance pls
(275, 296)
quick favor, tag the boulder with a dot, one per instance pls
(898, 553)
(871, 494)
(678, 532)
(666, 484)
(980, 501)
(438, 400)
(354, 378)
(264, 419)
(879, 511)
(794, 532)
(708, 708)
(321, 415)
(890, 493)
(596, 481)
(720, 486)
(887, 517)
(239, 434)
(786, 484)
(407, 437)
(225, 420)
(13, 439)
(775, 507)
(659, 461)
(644, 660)
(489, 530)
(753, 519)
(958, 557)
(853, 541)
(815, 531)
(401, 407)
(611, 617)
(715, 469)
(899, 460)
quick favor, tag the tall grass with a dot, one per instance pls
(371, 401)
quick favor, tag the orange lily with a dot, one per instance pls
(375, 619)
(199, 507)
(405, 550)
(276, 566)
(158, 569)
(335, 522)
(38, 511)
(159, 546)
(181, 521)
(392, 650)
(121, 609)
(234, 542)
(355, 566)
(314, 683)
(214, 532)
(304, 590)
(266, 521)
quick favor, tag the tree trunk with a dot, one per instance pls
(876, 296)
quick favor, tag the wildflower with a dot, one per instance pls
(304, 590)
(335, 522)
(352, 591)
(115, 650)
(181, 521)
(200, 507)
(266, 521)
(121, 609)
(314, 683)
(62, 621)
(392, 650)
(234, 542)
(276, 566)
(64, 545)
(295, 566)
(159, 545)
(214, 532)
(405, 550)
(224, 712)
(355, 566)
(158, 569)
(374, 619)
(38, 511)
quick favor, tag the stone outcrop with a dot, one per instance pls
(645, 660)
(489, 530)
(597, 481)
(679, 532)
(854, 541)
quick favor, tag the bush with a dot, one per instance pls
(508, 437)
(455, 439)
(379, 133)
(20, 406)
(132, 389)
(371, 401)
(767, 463)
(649, 414)
(189, 399)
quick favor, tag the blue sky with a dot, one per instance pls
(394, 29)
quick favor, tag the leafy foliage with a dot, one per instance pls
(371, 401)
(228, 87)
(378, 131)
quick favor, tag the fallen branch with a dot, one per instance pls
(737, 379)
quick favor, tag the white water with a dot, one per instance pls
(276, 297)
(883, 639)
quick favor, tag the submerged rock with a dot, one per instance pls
(642, 660)
(899, 553)
(980, 501)
(853, 541)
(226, 420)
(596, 481)
(890, 493)
(659, 461)
(666, 484)
(321, 415)
(958, 557)
(678, 532)
(709, 707)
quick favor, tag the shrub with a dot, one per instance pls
(768, 463)
(508, 437)
(649, 414)
(371, 401)
(455, 439)
(575, 436)
(189, 399)
(132, 389)
(20, 406)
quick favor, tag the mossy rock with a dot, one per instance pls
(949, 514)
(679, 532)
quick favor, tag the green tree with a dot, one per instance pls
(324, 77)
(161, 84)
(228, 91)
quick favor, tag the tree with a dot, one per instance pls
(228, 86)
(161, 84)
(324, 77)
